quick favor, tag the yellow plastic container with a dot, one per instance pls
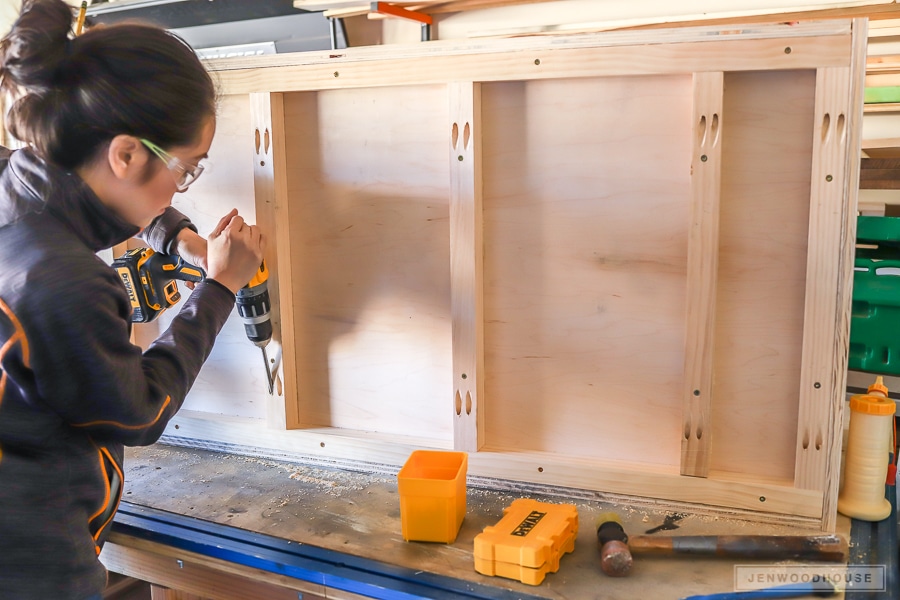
(432, 485)
(521, 572)
(528, 542)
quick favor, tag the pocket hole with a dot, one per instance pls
(454, 135)
(468, 403)
(266, 144)
(467, 133)
(701, 131)
(458, 403)
(826, 127)
(256, 135)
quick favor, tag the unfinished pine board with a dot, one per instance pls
(270, 188)
(466, 264)
(581, 264)
(702, 273)
(811, 45)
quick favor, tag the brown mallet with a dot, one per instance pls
(612, 541)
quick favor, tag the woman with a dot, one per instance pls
(116, 121)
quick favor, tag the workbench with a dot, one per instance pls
(226, 527)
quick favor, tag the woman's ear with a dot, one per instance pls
(126, 156)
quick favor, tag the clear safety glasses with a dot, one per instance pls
(185, 174)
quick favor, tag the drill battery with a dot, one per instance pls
(149, 279)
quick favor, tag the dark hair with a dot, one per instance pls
(74, 95)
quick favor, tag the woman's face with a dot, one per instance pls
(152, 195)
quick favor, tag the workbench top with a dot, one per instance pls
(358, 514)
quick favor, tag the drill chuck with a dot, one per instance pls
(253, 307)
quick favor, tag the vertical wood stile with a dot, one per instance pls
(270, 188)
(466, 266)
(702, 273)
(832, 238)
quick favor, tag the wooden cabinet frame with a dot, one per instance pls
(615, 262)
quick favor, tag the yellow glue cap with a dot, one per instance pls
(872, 405)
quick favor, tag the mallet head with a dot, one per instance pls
(615, 556)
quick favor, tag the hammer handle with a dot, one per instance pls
(830, 548)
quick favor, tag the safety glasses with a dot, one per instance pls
(185, 174)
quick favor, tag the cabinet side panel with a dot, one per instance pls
(766, 161)
(369, 188)
(586, 212)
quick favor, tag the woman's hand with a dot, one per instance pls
(234, 252)
(193, 247)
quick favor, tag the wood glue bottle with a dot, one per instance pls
(862, 495)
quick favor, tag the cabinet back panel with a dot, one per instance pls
(586, 198)
(368, 182)
(764, 226)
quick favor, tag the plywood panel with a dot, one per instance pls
(586, 202)
(767, 144)
(369, 185)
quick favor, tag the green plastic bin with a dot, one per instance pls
(875, 316)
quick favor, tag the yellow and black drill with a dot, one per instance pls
(150, 280)
(253, 306)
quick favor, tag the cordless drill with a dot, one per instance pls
(149, 279)
(254, 307)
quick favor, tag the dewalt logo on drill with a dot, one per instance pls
(528, 523)
(125, 275)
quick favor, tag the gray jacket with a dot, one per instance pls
(73, 389)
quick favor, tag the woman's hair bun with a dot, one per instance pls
(72, 95)
(36, 47)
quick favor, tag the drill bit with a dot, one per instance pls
(269, 376)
